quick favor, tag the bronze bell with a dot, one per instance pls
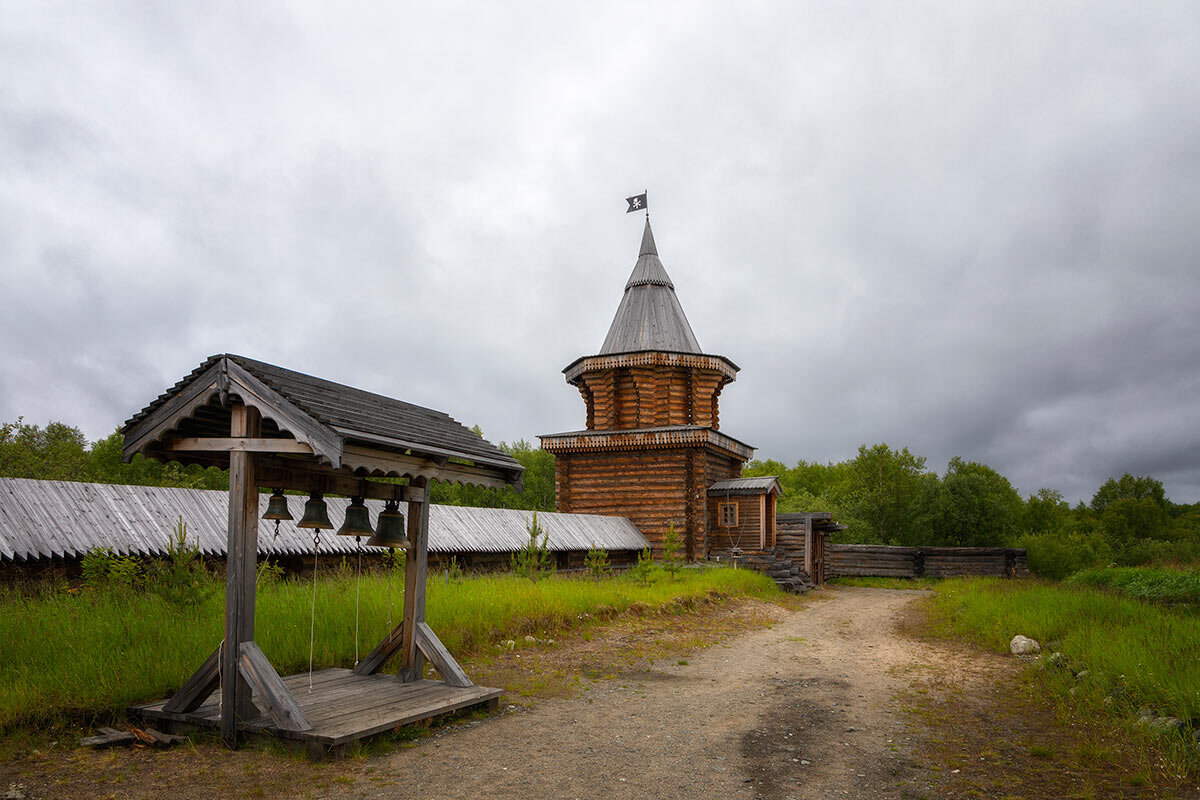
(316, 516)
(277, 507)
(358, 519)
(389, 531)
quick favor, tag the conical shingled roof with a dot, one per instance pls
(649, 317)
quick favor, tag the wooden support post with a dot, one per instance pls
(415, 568)
(240, 566)
(435, 651)
(281, 705)
(196, 689)
(382, 652)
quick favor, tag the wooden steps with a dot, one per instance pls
(775, 564)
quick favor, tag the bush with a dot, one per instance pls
(1057, 556)
(1146, 583)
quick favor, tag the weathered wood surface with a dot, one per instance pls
(436, 652)
(859, 560)
(415, 570)
(269, 688)
(382, 652)
(108, 737)
(343, 707)
(240, 445)
(196, 689)
(240, 574)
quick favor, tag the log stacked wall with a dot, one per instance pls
(625, 398)
(861, 560)
(647, 487)
(748, 533)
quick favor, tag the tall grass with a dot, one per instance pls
(1158, 584)
(1136, 653)
(88, 655)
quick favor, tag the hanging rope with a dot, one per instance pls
(312, 618)
(357, 591)
(391, 579)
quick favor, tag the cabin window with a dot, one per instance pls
(727, 514)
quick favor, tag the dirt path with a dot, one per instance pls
(805, 709)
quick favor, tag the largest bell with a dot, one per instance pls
(389, 531)
(316, 515)
(358, 519)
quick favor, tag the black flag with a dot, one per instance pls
(636, 203)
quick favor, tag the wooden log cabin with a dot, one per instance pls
(652, 447)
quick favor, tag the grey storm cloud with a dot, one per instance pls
(968, 229)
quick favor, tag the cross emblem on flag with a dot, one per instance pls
(636, 203)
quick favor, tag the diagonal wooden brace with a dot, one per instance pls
(196, 689)
(443, 662)
(265, 681)
(382, 652)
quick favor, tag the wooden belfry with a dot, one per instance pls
(279, 429)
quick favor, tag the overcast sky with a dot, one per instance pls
(969, 229)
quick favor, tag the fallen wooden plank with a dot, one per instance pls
(112, 738)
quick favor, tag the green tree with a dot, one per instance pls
(881, 488)
(534, 560)
(1046, 512)
(975, 507)
(1128, 487)
(671, 560)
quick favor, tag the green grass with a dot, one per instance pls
(87, 656)
(1136, 653)
(886, 583)
(1158, 584)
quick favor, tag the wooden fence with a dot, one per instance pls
(873, 560)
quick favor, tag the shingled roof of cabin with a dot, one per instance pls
(356, 415)
(649, 316)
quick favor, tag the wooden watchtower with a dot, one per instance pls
(652, 443)
(278, 429)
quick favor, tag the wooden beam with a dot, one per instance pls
(196, 689)
(415, 568)
(280, 474)
(382, 652)
(254, 667)
(385, 463)
(436, 652)
(240, 445)
(240, 567)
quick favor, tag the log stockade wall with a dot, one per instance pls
(873, 560)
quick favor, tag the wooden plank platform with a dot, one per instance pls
(342, 706)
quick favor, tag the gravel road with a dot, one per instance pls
(804, 709)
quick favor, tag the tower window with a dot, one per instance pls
(727, 513)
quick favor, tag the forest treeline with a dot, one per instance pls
(888, 496)
(882, 495)
(59, 452)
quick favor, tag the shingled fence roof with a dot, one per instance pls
(64, 519)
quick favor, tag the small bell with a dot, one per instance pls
(358, 519)
(316, 516)
(277, 507)
(389, 531)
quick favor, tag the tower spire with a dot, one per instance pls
(650, 316)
